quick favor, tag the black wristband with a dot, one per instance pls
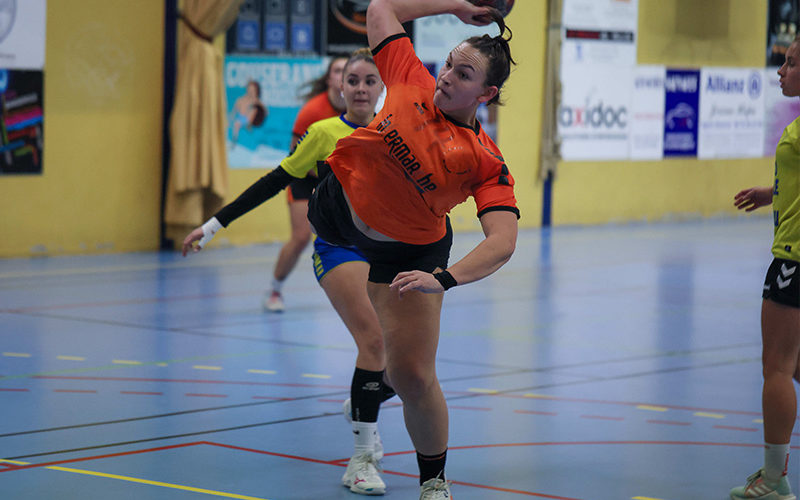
(445, 279)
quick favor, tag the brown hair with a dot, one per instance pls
(497, 52)
(362, 54)
(320, 85)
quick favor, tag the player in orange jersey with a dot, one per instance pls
(394, 183)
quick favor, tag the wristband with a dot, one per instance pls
(445, 279)
(210, 228)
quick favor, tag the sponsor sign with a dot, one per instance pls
(647, 113)
(731, 123)
(681, 103)
(599, 31)
(593, 117)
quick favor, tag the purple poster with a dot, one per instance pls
(682, 99)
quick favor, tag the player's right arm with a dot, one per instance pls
(386, 17)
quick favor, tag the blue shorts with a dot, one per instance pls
(327, 256)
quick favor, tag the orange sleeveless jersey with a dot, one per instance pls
(411, 165)
(315, 109)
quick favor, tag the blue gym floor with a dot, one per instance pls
(601, 363)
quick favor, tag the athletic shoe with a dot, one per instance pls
(274, 302)
(347, 409)
(435, 489)
(362, 475)
(757, 488)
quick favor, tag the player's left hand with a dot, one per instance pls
(415, 280)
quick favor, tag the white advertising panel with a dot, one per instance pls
(599, 31)
(593, 115)
(22, 34)
(647, 113)
(731, 122)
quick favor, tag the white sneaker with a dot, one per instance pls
(435, 489)
(757, 488)
(273, 302)
(347, 409)
(362, 475)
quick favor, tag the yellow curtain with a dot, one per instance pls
(198, 174)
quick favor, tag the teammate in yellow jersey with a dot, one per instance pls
(780, 307)
(341, 270)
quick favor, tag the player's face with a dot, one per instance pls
(461, 84)
(790, 71)
(335, 74)
(361, 86)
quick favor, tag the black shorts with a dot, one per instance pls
(782, 284)
(330, 217)
(301, 189)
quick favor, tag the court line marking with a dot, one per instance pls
(25, 465)
(16, 355)
(71, 358)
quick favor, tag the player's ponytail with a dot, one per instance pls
(498, 54)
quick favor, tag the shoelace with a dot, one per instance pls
(367, 459)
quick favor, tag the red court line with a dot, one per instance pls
(76, 391)
(732, 428)
(98, 457)
(142, 393)
(602, 417)
(15, 390)
(531, 412)
(668, 422)
(196, 395)
(186, 381)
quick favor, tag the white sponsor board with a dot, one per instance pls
(647, 113)
(593, 115)
(22, 34)
(599, 31)
(731, 123)
(436, 36)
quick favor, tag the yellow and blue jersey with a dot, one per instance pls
(786, 194)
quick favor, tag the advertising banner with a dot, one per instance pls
(22, 29)
(647, 113)
(260, 122)
(593, 115)
(681, 112)
(731, 113)
(599, 31)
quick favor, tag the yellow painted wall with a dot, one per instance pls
(100, 187)
(676, 33)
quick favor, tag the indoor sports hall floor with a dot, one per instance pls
(601, 363)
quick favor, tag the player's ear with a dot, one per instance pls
(488, 94)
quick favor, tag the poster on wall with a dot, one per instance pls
(599, 31)
(647, 113)
(731, 118)
(593, 118)
(779, 111)
(22, 42)
(347, 26)
(264, 95)
(681, 106)
(782, 24)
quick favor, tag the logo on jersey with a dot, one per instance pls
(786, 272)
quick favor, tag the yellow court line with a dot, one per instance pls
(315, 375)
(206, 367)
(537, 396)
(758, 421)
(16, 355)
(709, 415)
(71, 358)
(645, 498)
(265, 372)
(142, 481)
(483, 391)
(126, 362)
(651, 408)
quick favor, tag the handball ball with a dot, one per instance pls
(504, 6)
